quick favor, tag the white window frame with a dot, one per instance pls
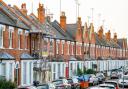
(80, 49)
(30, 74)
(25, 38)
(72, 50)
(57, 46)
(2, 28)
(77, 48)
(24, 72)
(10, 71)
(72, 44)
(54, 71)
(19, 37)
(11, 30)
(68, 43)
(3, 70)
(62, 43)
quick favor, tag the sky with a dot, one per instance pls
(112, 14)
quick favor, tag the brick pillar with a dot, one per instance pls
(22, 40)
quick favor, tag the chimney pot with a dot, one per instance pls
(23, 8)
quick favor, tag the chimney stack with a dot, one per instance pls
(115, 37)
(79, 23)
(23, 8)
(63, 21)
(41, 13)
(108, 35)
(100, 32)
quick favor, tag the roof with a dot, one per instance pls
(6, 56)
(71, 30)
(26, 56)
(120, 42)
(46, 27)
(9, 13)
(98, 42)
(62, 33)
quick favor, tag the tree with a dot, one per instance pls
(79, 71)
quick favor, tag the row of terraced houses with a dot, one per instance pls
(35, 48)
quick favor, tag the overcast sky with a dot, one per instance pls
(113, 12)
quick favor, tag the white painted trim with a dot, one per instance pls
(68, 42)
(11, 28)
(72, 43)
(62, 41)
(20, 31)
(58, 41)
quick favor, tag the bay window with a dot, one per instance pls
(2, 28)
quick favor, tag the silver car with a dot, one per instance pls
(123, 81)
(107, 86)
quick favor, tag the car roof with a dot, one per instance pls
(98, 88)
(59, 80)
(115, 81)
(106, 85)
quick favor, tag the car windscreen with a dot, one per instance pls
(125, 78)
(107, 87)
(58, 82)
(70, 81)
(113, 83)
(42, 87)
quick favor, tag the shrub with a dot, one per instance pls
(79, 71)
(91, 71)
(7, 84)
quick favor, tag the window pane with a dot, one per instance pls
(3, 70)
(10, 72)
(24, 72)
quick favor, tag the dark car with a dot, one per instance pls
(114, 75)
(46, 86)
(61, 84)
(100, 77)
(74, 83)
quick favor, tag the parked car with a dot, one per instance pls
(100, 77)
(46, 86)
(115, 83)
(27, 87)
(107, 86)
(61, 84)
(74, 83)
(99, 88)
(114, 75)
(93, 79)
(123, 81)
